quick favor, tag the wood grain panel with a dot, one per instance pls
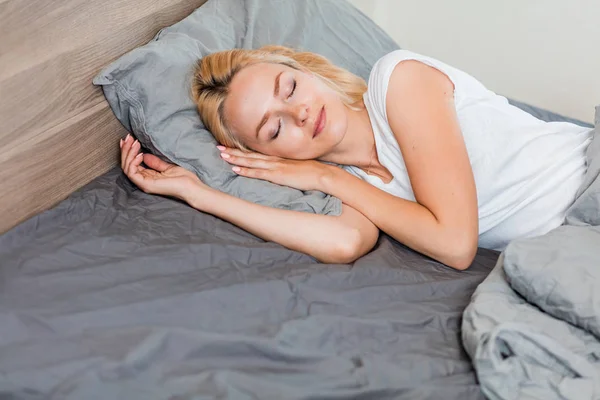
(57, 162)
(56, 130)
(57, 85)
(34, 31)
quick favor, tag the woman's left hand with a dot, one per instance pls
(299, 174)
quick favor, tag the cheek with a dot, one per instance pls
(338, 120)
(294, 146)
(293, 142)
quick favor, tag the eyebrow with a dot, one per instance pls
(275, 93)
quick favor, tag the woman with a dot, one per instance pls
(428, 155)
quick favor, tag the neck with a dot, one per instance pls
(357, 146)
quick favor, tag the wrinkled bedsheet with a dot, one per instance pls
(116, 294)
(533, 326)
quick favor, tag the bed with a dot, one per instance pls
(110, 293)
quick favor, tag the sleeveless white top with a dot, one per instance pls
(527, 171)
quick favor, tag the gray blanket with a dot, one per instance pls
(116, 294)
(533, 326)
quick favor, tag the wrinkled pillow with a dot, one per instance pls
(148, 88)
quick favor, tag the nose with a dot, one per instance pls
(300, 113)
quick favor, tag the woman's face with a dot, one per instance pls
(277, 110)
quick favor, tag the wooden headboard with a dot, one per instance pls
(57, 131)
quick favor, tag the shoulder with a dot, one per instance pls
(419, 97)
(411, 79)
(406, 74)
(385, 65)
(379, 78)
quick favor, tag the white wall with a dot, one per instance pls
(543, 52)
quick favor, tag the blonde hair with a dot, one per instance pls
(213, 75)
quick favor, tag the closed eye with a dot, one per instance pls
(277, 131)
(294, 84)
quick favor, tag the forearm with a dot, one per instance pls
(408, 222)
(329, 239)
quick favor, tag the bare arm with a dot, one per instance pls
(443, 222)
(329, 239)
(406, 221)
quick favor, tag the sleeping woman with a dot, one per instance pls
(423, 152)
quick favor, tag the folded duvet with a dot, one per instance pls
(532, 328)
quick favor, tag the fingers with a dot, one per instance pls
(135, 165)
(156, 163)
(136, 173)
(124, 144)
(129, 148)
(133, 162)
(248, 154)
(129, 151)
(263, 174)
(134, 151)
(251, 162)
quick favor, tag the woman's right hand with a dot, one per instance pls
(160, 177)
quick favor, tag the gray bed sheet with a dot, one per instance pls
(116, 294)
(533, 326)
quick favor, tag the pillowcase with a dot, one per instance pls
(148, 88)
(584, 210)
(544, 114)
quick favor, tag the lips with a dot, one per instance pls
(320, 122)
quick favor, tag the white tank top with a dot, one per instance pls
(527, 171)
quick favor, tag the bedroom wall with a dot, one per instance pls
(543, 52)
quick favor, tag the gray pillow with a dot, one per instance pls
(584, 210)
(148, 88)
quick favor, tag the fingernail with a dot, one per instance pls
(139, 155)
(127, 137)
(120, 142)
(136, 142)
(236, 169)
(221, 148)
(224, 155)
